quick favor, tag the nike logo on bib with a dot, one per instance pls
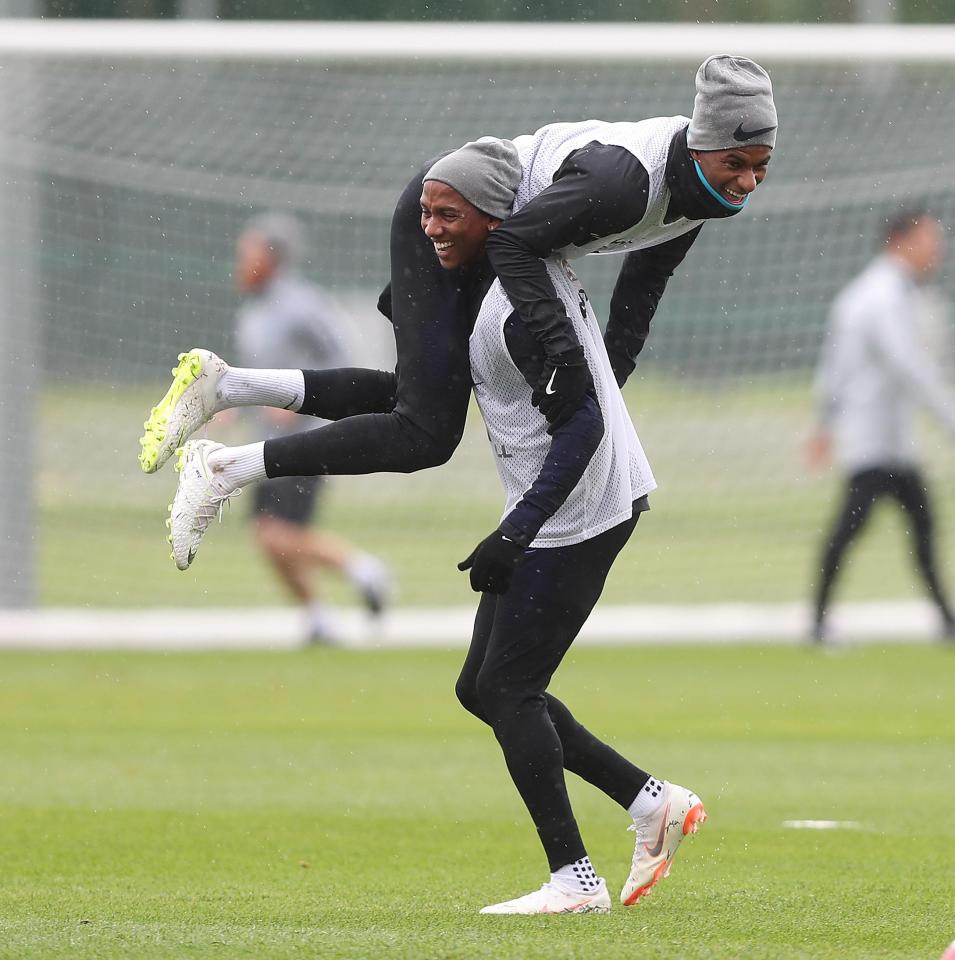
(550, 383)
(740, 134)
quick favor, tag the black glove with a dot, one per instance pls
(492, 562)
(561, 387)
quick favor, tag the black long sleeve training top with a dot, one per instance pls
(351, 392)
(403, 421)
(600, 190)
(414, 418)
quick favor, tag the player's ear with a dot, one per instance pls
(492, 224)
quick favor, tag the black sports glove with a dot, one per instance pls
(492, 562)
(561, 387)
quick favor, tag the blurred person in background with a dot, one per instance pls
(874, 371)
(287, 321)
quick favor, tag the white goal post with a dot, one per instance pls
(131, 152)
(557, 42)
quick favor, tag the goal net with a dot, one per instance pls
(132, 154)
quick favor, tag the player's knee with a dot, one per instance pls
(466, 692)
(444, 451)
(276, 555)
(431, 443)
(272, 538)
(435, 452)
(500, 697)
(265, 534)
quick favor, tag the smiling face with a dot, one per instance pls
(734, 173)
(454, 225)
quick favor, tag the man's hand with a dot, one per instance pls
(492, 562)
(561, 387)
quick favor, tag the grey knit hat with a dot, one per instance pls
(485, 172)
(733, 107)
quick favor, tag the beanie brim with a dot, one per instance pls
(486, 172)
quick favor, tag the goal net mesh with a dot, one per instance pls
(124, 183)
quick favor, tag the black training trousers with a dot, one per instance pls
(393, 422)
(865, 488)
(519, 640)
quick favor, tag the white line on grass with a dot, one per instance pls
(282, 628)
(822, 824)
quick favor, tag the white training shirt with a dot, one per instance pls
(617, 474)
(874, 370)
(543, 152)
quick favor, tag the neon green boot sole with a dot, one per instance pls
(156, 445)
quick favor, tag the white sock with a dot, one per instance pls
(322, 623)
(247, 387)
(237, 466)
(579, 876)
(366, 571)
(648, 800)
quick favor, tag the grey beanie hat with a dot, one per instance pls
(485, 172)
(733, 107)
(284, 235)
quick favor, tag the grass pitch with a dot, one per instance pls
(338, 805)
(736, 517)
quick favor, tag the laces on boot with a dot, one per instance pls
(212, 508)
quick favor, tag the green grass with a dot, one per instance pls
(736, 516)
(334, 805)
(695, 551)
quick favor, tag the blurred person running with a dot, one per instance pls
(641, 189)
(287, 321)
(874, 370)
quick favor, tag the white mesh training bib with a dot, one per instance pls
(543, 152)
(618, 473)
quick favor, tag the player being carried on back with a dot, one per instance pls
(529, 340)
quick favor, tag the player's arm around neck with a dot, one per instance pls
(598, 191)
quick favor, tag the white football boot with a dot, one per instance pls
(189, 402)
(658, 837)
(553, 898)
(198, 500)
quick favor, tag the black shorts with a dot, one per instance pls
(286, 498)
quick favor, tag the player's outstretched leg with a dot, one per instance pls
(553, 898)
(659, 834)
(189, 402)
(199, 499)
